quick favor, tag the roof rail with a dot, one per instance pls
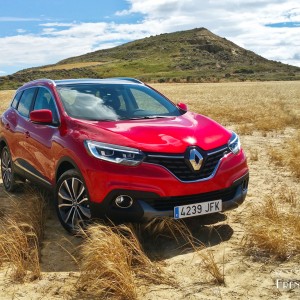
(40, 79)
(127, 79)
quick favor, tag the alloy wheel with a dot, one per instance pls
(73, 203)
(6, 168)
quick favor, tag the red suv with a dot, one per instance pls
(116, 148)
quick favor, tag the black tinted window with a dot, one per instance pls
(44, 100)
(26, 102)
(15, 102)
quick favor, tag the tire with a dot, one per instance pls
(72, 201)
(7, 170)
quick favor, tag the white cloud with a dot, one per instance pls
(241, 21)
(54, 43)
(20, 30)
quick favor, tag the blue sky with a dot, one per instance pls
(35, 33)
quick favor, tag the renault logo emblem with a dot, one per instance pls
(195, 159)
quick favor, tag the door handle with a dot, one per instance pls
(27, 134)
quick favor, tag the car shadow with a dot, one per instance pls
(205, 231)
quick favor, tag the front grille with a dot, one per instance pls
(169, 203)
(179, 165)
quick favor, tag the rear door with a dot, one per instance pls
(19, 127)
(9, 121)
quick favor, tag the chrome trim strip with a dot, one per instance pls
(216, 151)
(245, 175)
(182, 156)
(165, 156)
(31, 173)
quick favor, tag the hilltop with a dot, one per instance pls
(195, 55)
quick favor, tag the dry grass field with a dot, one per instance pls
(252, 252)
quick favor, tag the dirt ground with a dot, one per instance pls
(245, 278)
(224, 234)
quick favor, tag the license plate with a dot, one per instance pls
(197, 209)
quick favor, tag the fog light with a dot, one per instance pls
(124, 201)
(245, 185)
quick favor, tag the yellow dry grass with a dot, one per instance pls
(5, 98)
(210, 265)
(250, 106)
(288, 154)
(170, 228)
(19, 246)
(21, 232)
(113, 262)
(273, 229)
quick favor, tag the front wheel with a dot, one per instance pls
(72, 201)
(8, 175)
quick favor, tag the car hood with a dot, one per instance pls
(170, 135)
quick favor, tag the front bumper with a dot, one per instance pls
(147, 206)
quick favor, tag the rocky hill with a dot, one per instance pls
(195, 55)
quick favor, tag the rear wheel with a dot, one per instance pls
(8, 175)
(72, 201)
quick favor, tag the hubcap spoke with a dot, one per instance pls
(74, 188)
(64, 205)
(68, 189)
(65, 197)
(79, 217)
(73, 218)
(4, 164)
(5, 177)
(80, 193)
(85, 211)
(69, 214)
(82, 200)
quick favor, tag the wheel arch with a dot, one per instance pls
(3, 143)
(65, 164)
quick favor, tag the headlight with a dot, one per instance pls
(234, 143)
(115, 154)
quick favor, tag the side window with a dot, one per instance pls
(44, 100)
(15, 102)
(26, 102)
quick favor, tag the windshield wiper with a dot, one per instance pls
(146, 117)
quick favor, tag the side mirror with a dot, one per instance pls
(182, 106)
(41, 116)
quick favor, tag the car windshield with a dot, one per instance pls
(111, 102)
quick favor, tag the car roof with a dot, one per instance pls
(114, 80)
(95, 81)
